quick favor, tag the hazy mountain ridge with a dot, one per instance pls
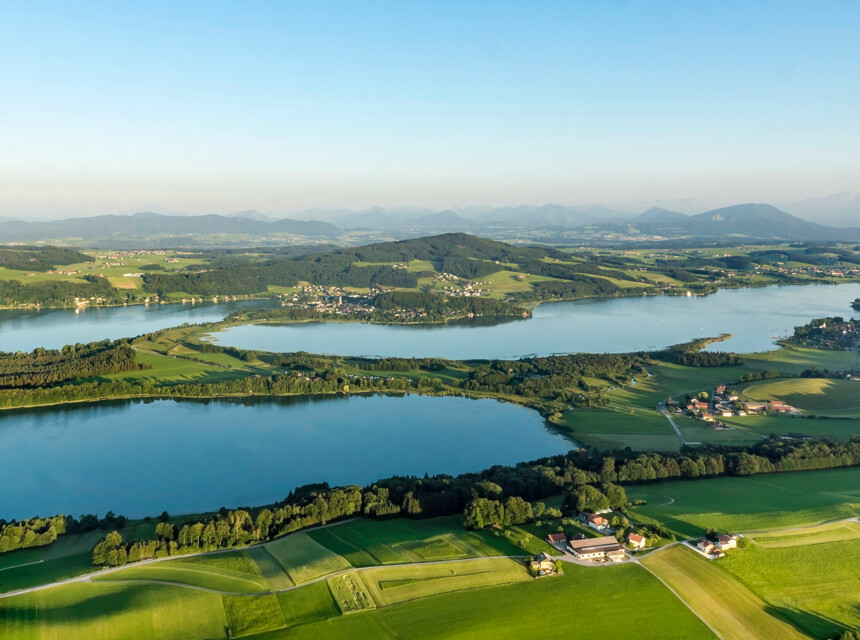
(751, 220)
(147, 224)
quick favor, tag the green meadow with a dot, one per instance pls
(809, 575)
(821, 396)
(730, 608)
(765, 501)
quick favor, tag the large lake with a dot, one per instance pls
(141, 457)
(755, 318)
(26, 329)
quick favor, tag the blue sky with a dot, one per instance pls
(279, 106)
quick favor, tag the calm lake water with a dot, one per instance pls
(141, 457)
(26, 329)
(755, 318)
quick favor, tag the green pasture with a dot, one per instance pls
(696, 430)
(821, 396)
(810, 576)
(760, 502)
(735, 612)
(197, 574)
(395, 585)
(566, 606)
(312, 603)
(250, 615)
(801, 537)
(83, 611)
(619, 426)
(366, 543)
(764, 425)
(69, 556)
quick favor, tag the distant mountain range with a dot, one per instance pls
(750, 220)
(744, 221)
(142, 225)
(838, 210)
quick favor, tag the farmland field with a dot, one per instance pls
(350, 593)
(247, 615)
(196, 574)
(583, 595)
(766, 501)
(810, 575)
(274, 574)
(735, 612)
(366, 543)
(396, 585)
(305, 559)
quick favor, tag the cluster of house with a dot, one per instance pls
(717, 548)
(810, 270)
(833, 333)
(773, 406)
(726, 403)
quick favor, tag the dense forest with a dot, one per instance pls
(499, 495)
(57, 293)
(47, 368)
(24, 258)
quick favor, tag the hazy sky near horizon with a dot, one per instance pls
(278, 106)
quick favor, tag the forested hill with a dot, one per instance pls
(560, 275)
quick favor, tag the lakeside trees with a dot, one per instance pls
(500, 495)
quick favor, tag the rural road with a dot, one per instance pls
(662, 409)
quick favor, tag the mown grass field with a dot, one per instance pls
(395, 585)
(304, 559)
(735, 612)
(820, 396)
(270, 569)
(349, 592)
(766, 501)
(809, 575)
(619, 426)
(366, 543)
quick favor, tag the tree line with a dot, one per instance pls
(38, 532)
(498, 495)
